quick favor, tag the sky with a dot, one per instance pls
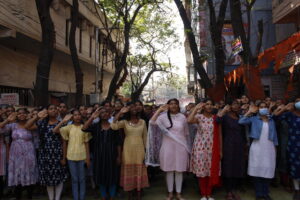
(177, 55)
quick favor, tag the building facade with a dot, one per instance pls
(20, 40)
(262, 10)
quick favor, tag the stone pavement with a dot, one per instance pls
(157, 191)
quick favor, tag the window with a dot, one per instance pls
(67, 32)
(91, 43)
(80, 40)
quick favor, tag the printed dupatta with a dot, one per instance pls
(214, 179)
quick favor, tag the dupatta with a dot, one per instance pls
(156, 131)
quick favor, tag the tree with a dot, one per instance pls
(46, 53)
(74, 55)
(124, 14)
(216, 27)
(142, 67)
(153, 35)
(239, 30)
(205, 81)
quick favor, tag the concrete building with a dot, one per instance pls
(262, 10)
(20, 39)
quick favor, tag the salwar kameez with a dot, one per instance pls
(133, 170)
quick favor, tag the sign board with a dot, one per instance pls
(10, 98)
(236, 46)
(227, 40)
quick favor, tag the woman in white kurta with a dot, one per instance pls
(262, 155)
(174, 151)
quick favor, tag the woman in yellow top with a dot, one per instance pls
(133, 170)
(76, 149)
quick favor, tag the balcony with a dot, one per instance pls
(286, 11)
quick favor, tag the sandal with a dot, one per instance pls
(179, 197)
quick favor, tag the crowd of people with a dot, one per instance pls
(119, 146)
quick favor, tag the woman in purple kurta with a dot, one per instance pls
(22, 165)
(174, 151)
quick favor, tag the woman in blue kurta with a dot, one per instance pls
(291, 114)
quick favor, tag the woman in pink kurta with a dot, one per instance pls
(174, 151)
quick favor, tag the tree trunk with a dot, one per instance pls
(119, 64)
(137, 93)
(46, 53)
(74, 55)
(205, 81)
(216, 27)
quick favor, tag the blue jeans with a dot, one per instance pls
(78, 179)
(112, 191)
(261, 186)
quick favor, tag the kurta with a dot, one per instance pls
(262, 155)
(293, 146)
(2, 155)
(51, 171)
(234, 142)
(105, 154)
(76, 141)
(173, 155)
(22, 163)
(201, 157)
(133, 169)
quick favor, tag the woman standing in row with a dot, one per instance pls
(206, 153)
(76, 147)
(133, 170)
(291, 115)
(234, 143)
(22, 166)
(52, 170)
(107, 153)
(262, 155)
(174, 151)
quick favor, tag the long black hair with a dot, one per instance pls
(127, 115)
(169, 113)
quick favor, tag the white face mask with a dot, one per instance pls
(263, 111)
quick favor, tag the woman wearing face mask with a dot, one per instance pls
(234, 142)
(22, 165)
(207, 148)
(133, 170)
(51, 163)
(291, 115)
(262, 155)
(174, 150)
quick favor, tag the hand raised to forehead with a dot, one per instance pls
(43, 114)
(12, 117)
(164, 107)
(124, 110)
(67, 118)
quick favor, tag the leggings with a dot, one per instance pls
(54, 192)
(205, 188)
(19, 189)
(178, 181)
(1, 187)
(231, 184)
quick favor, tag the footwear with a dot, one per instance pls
(236, 196)
(229, 196)
(296, 195)
(210, 198)
(268, 197)
(203, 198)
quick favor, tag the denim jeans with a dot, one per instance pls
(78, 179)
(111, 189)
